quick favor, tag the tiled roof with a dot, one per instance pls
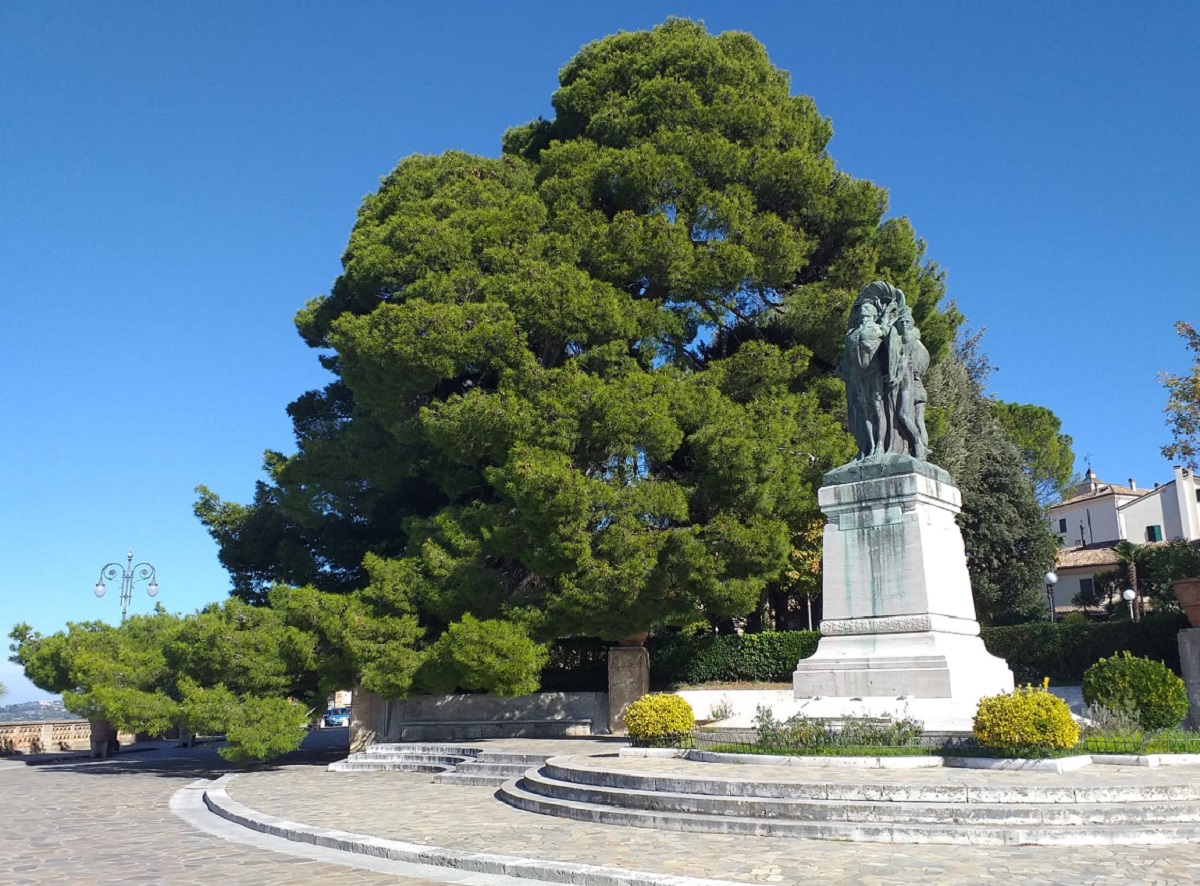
(1086, 556)
(1103, 489)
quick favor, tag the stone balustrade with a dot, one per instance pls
(48, 736)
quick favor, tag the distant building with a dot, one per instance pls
(1097, 515)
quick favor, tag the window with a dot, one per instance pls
(1062, 526)
(1087, 592)
(1153, 533)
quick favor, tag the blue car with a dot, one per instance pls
(336, 717)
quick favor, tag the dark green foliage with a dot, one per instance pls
(1009, 546)
(1183, 404)
(226, 669)
(482, 656)
(1065, 650)
(1141, 687)
(580, 664)
(576, 664)
(1046, 454)
(685, 660)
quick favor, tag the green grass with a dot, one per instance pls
(1165, 741)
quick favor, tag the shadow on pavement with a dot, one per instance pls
(319, 748)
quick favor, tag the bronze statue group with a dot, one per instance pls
(882, 366)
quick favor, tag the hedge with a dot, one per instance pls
(769, 657)
(580, 664)
(1061, 651)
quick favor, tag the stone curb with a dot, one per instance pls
(1054, 764)
(859, 831)
(566, 769)
(218, 801)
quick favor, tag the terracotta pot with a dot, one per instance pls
(1187, 592)
(638, 639)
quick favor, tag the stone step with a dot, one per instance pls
(563, 769)
(395, 757)
(515, 794)
(894, 812)
(406, 747)
(505, 757)
(472, 779)
(510, 770)
(471, 730)
(406, 757)
(492, 769)
(383, 766)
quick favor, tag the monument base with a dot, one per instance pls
(922, 665)
(899, 616)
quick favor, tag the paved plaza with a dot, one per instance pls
(99, 822)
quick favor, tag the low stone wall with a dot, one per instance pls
(48, 736)
(465, 717)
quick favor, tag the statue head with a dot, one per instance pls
(883, 297)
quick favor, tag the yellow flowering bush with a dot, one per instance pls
(1027, 721)
(660, 718)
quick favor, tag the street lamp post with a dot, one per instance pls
(1051, 581)
(1128, 596)
(129, 573)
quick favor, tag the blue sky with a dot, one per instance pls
(176, 180)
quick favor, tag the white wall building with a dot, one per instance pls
(1097, 515)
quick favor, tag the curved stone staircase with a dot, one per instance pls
(454, 764)
(897, 812)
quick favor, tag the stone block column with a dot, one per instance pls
(628, 680)
(1189, 660)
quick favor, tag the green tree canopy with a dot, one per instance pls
(587, 387)
(221, 670)
(1046, 453)
(1183, 404)
(1009, 546)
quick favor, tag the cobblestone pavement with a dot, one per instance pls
(99, 822)
(410, 807)
(94, 822)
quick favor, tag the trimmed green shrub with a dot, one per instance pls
(1063, 651)
(658, 719)
(688, 660)
(1140, 687)
(1026, 722)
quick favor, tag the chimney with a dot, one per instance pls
(1132, 484)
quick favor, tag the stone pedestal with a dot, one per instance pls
(899, 619)
(103, 739)
(628, 680)
(1189, 660)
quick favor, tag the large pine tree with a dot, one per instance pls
(587, 387)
